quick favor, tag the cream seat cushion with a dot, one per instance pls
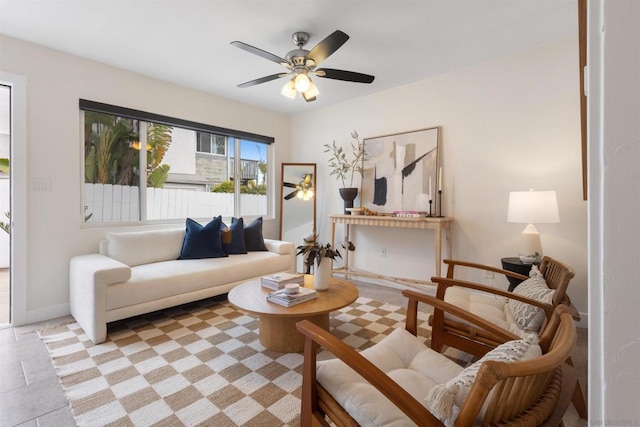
(417, 369)
(404, 358)
(494, 309)
(157, 280)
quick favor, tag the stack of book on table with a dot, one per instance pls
(278, 280)
(281, 297)
(410, 214)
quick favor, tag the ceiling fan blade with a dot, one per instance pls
(327, 46)
(260, 52)
(307, 178)
(349, 76)
(291, 195)
(263, 79)
(288, 184)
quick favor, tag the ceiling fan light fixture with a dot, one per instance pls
(302, 82)
(312, 92)
(289, 89)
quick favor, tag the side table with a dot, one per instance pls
(514, 264)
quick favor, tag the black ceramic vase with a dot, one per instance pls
(348, 195)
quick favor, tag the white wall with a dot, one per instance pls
(614, 194)
(55, 83)
(506, 125)
(181, 155)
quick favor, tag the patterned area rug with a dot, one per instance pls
(199, 364)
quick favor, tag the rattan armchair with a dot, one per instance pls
(453, 331)
(530, 392)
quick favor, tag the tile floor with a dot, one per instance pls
(31, 396)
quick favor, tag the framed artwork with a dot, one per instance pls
(401, 172)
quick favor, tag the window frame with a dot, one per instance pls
(212, 143)
(146, 117)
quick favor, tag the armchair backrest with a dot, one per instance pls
(528, 389)
(557, 275)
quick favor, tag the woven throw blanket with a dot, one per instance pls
(199, 364)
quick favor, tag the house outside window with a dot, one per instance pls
(185, 172)
(212, 144)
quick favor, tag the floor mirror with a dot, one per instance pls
(298, 204)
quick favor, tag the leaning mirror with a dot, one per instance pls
(297, 204)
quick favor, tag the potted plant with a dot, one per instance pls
(314, 251)
(345, 168)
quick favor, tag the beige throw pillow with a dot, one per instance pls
(443, 397)
(528, 316)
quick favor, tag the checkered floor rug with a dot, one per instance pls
(199, 364)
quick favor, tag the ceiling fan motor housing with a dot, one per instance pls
(297, 57)
(300, 38)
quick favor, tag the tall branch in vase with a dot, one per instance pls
(345, 168)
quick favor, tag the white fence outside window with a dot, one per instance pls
(117, 203)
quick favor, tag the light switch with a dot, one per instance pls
(41, 185)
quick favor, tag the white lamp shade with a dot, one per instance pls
(530, 207)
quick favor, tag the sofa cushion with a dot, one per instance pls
(233, 237)
(403, 357)
(144, 247)
(253, 236)
(202, 241)
(166, 279)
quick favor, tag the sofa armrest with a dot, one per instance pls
(279, 246)
(283, 248)
(89, 277)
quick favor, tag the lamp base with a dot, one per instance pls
(530, 259)
(530, 248)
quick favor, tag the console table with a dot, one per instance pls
(438, 225)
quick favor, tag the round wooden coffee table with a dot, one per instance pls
(278, 324)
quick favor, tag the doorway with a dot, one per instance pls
(5, 205)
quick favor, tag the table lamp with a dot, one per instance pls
(530, 207)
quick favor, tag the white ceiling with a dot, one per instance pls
(188, 42)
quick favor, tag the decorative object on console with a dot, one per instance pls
(399, 171)
(344, 169)
(302, 63)
(439, 208)
(530, 207)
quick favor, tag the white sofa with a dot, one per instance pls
(138, 272)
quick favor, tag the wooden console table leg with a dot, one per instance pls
(437, 241)
(346, 251)
(449, 240)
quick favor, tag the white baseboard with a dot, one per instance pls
(584, 321)
(47, 313)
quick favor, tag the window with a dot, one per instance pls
(212, 144)
(177, 177)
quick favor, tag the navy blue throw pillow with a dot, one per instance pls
(202, 241)
(253, 239)
(233, 237)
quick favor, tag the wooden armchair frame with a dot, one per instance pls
(478, 341)
(532, 392)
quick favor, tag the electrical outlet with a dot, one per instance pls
(488, 274)
(383, 253)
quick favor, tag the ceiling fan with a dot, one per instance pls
(302, 63)
(303, 190)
